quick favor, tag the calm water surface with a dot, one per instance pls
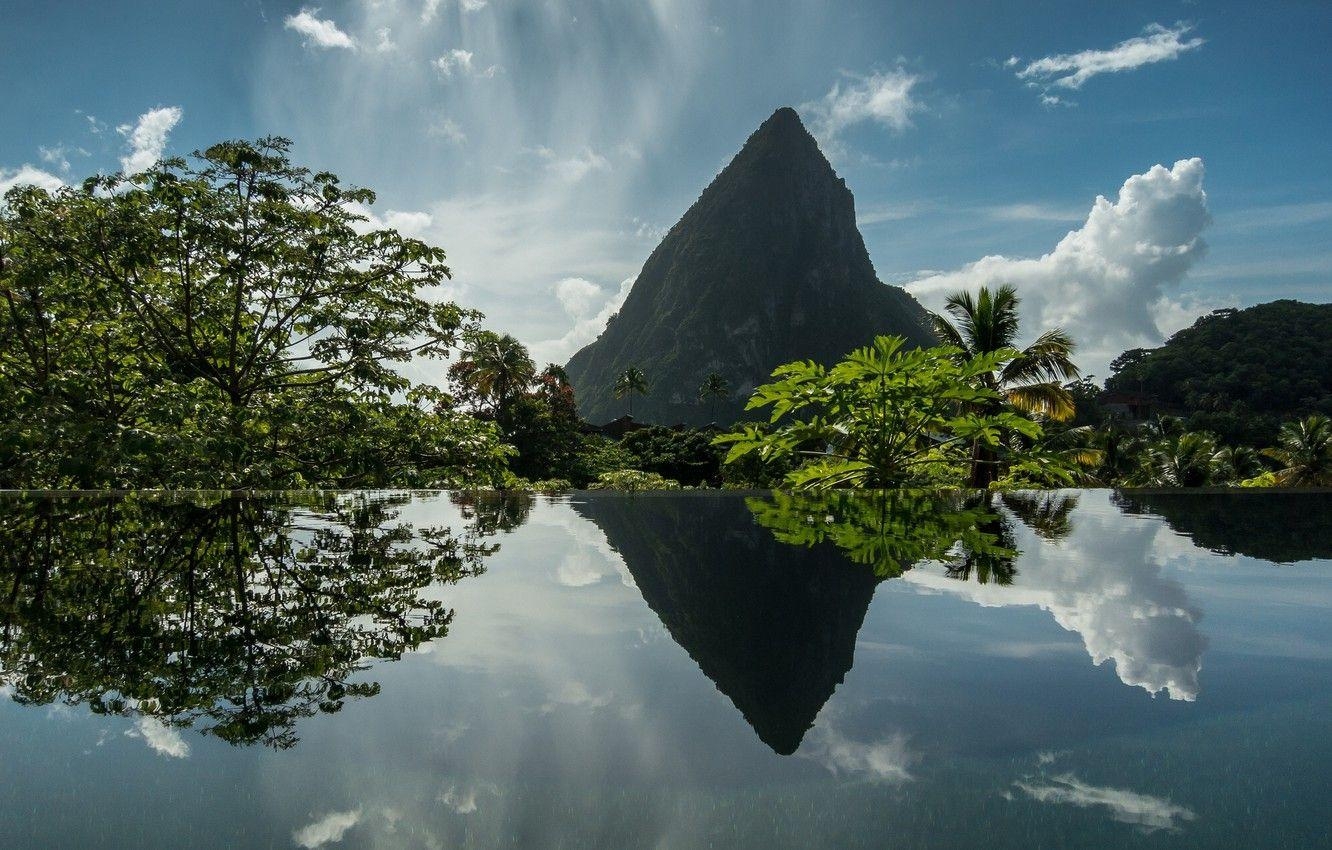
(1081, 669)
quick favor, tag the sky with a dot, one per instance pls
(1128, 166)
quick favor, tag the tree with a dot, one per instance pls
(714, 386)
(496, 368)
(199, 323)
(1304, 451)
(1183, 460)
(879, 417)
(1030, 380)
(631, 380)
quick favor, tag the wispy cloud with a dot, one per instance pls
(1142, 810)
(328, 829)
(883, 97)
(147, 138)
(319, 32)
(1069, 71)
(162, 739)
(458, 62)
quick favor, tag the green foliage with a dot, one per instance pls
(890, 530)
(226, 322)
(235, 616)
(630, 382)
(686, 455)
(1239, 373)
(1304, 450)
(877, 417)
(632, 480)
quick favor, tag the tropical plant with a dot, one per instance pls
(1304, 451)
(631, 381)
(714, 386)
(1184, 460)
(877, 417)
(632, 480)
(496, 368)
(1030, 379)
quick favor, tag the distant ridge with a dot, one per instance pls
(766, 267)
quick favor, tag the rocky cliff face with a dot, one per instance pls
(765, 268)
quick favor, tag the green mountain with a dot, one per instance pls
(1239, 373)
(765, 268)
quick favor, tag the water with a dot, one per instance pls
(702, 670)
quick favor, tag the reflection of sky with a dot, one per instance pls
(557, 711)
(1131, 615)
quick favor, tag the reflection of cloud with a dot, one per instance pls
(163, 739)
(462, 801)
(885, 760)
(327, 830)
(1142, 810)
(1104, 582)
(592, 558)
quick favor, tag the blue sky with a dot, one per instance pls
(547, 144)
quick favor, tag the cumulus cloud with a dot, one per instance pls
(319, 32)
(882, 97)
(326, 830)
(1071, 70)
(28, 175)
(1142, 810)
(579, 298)
(147, 138)
(1109, 282)
(162, 739)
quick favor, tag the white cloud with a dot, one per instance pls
(882, 97)
(318, 32)
(472, 5)
(163, 739)
(28, 175)
(574, 168)
(58, 155)
(1141, 810)
(462, 801)
(148, 137)
(1109, 282)
(428, 10)
(447, 128)
(1072, 70)
(459, 63)
(575, 694)
(326, 830)
(384, 40)
(578, 302)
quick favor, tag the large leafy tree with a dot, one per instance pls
(199, 323)
(879, 417)
(1029, 379)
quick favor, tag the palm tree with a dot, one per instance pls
(714, 387)
(1187, 460)
(631, 380)
(500, 368)
(1238, 463)
(1304, 450)
(1032, 382)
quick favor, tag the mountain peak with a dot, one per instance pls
(766, 267)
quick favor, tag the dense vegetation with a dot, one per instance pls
(1239, 373)
(226, 322)
(235, 322)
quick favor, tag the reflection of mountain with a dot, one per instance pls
(773, 626)
(1266, 524)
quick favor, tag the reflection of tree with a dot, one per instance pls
(238, 615)
(1272, 525)
(490, 512)
(891, 530)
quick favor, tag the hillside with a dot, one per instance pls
(1239, 373)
